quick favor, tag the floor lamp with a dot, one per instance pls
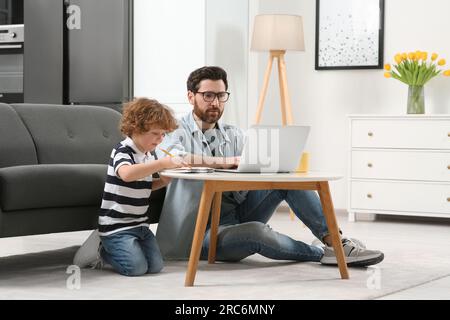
(277, 33)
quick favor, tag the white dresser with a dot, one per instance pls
(399, 165)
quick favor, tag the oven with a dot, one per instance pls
(11, 63)
(11, 51)
(11, 12)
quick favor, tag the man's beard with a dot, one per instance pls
(208, 116)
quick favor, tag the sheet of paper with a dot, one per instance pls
(192, 170)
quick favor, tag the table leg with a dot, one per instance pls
(199, 233)
(330, 217)
(215, 217)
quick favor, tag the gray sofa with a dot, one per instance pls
(53, 167)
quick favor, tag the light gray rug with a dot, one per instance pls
(416, 254)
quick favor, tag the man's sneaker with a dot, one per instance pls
(317, 243)
(99, 263)
(88, 255)
(356, 254)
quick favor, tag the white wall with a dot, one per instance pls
(169, 43)
(174, 37)
(227, 47)
(322, 99)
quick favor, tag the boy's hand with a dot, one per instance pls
(174, 162)
(231, 162)
(180, 162)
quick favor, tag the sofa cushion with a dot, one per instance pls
(50, 186)
(16, 145)
(71, 134)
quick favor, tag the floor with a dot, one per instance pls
(416, 266)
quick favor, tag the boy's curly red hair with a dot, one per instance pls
(142, 114)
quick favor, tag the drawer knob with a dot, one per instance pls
(448, 167)
(448, 199)
(371, 165)
(370, 134)
(369, 195)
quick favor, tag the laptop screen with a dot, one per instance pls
(273, 148)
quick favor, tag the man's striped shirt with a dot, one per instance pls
(124, 204)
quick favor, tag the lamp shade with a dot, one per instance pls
(278, 32)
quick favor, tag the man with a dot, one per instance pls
(202, 140)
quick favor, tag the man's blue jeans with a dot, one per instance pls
(132, 252)
(243, 231)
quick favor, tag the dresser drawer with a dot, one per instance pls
(400, 196)
(400, 165)
(401, 133)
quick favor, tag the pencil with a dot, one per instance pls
(166, 152)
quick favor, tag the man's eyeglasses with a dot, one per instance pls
(209, 96)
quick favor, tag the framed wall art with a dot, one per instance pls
(349, 34)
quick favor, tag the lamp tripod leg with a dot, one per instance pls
(262, 95)
(282, 85)
(286, 110)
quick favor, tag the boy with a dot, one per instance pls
(127, 243)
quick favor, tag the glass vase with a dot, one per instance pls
(416, 100)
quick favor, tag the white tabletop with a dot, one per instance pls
(275, 177)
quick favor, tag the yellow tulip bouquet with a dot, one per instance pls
(415, 70)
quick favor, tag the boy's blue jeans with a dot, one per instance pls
(243, 231)
(132, 252)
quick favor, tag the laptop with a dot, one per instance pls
(271, 149)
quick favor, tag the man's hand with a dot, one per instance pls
(231, 162)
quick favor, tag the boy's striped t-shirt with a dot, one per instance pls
(124, 204)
